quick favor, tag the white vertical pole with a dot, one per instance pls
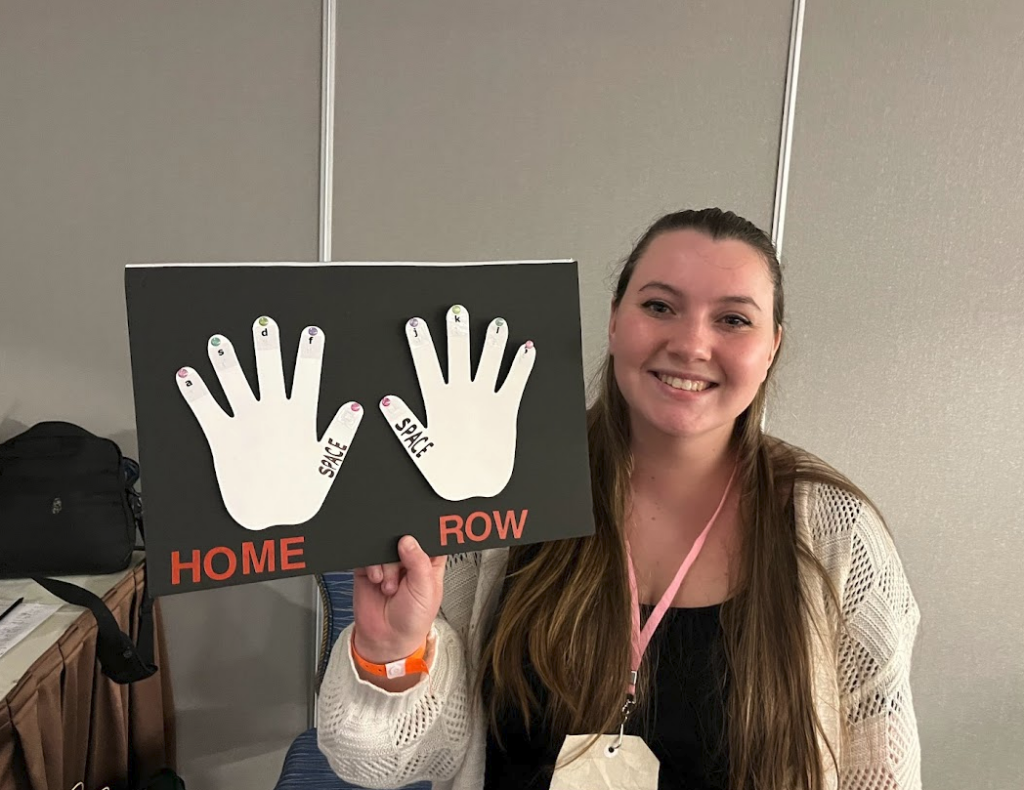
(328, 46)
(796, 35)
(788, 113)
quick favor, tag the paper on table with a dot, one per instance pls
(20, 623)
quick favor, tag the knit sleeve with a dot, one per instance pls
(881, 619)
(379, 739)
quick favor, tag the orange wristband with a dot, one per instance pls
(409, 665)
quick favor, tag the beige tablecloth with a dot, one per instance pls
(65, 722)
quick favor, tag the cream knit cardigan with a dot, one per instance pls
(434, 731)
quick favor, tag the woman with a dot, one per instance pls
(779, 655)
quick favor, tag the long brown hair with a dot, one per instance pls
(567, 604)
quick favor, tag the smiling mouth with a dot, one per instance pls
(688, 385)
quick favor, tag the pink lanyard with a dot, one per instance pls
(643, 638)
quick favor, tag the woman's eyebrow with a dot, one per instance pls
(737, 299)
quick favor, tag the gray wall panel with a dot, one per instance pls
(903, 253)
(147, 132)
(525, 130)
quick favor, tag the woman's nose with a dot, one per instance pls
(689, 338)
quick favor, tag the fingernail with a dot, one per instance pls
(385, 402)
(409, 543)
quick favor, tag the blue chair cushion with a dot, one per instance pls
(306, 767)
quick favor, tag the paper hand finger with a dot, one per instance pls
(266, 339)
(490, 358)
(407, 428)
(206, 410)
(308, 363)
(519, 373)
(229, 373)
(338, 438)
(424, 355)
(457, 322)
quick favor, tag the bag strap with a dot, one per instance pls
(120, 659)
(145, 640)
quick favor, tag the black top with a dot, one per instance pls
(683, 723)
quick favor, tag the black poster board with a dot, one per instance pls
(181, 315)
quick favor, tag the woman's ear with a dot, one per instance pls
(775, 346)
(612, 316)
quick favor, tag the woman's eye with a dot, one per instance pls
(655, 306)
(661, 308)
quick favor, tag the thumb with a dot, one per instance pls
(419, 569)
(342, 431)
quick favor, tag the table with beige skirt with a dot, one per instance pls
(62, 721)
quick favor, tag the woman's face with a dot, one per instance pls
(693, 336)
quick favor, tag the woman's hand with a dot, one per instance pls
(394, 605)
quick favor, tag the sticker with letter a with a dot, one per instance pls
(188, 385)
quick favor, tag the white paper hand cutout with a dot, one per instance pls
(467, 447)
(271, 467)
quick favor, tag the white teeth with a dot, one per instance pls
(684, 384)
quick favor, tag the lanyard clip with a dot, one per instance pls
(627, 707)
(627, 710)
